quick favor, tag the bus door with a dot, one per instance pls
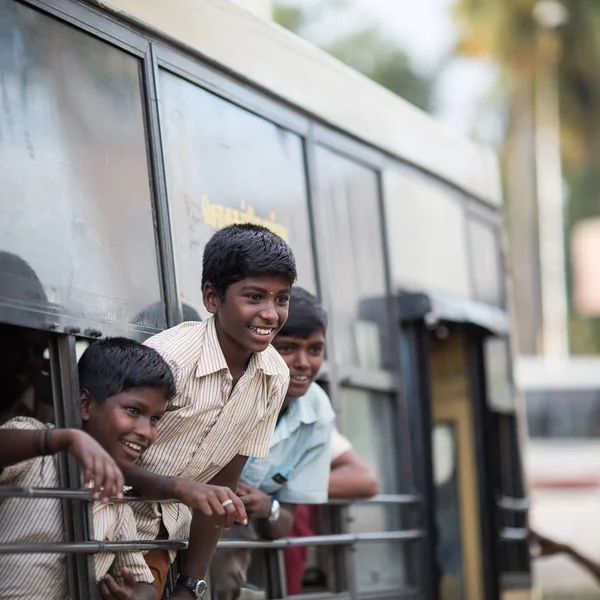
(456, 377)
(459, 550)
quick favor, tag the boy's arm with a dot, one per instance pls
(258, 506)
(17, 445)
(110, 589)
(351, 478)
(549, 547)
(24, 439)
(204, 535)
(129, 577)
(204, 497)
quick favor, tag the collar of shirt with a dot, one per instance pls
(303, 410)
(212, 359)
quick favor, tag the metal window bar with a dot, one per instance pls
(85, 495)
(95, 546)
(521, 505)
(77, 518)
(514, 534)
(276, 567)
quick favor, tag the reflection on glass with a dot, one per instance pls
(449, 546)
(379, 566)
(485, 257)
(226, 165)
(499, 386)
(367, 420)
(75, 198)
(350, 196)
(426, 234)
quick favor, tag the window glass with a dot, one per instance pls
(368, 421)
(77, 232)
(485, 261)
(349, 193)
(564, 413)
(379, 566)
(226, 165)
(426, 233)
(499, 385)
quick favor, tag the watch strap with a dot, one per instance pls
(196, 586)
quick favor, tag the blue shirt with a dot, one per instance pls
(297, 468)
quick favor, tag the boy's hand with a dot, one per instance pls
(97, 465)
(257, 503)
(209, 499)
(110, 589)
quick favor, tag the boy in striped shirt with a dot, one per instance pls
(125, 387)
(231, 384)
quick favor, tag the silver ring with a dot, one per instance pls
(227, 502)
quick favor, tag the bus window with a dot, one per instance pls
(498, 375)
(565, 413)
(226, 165)
(368, 419)
(349, 195)
(426, 233)
(487, 282)
(75, 200)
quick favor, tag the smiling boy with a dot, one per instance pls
(297, 468)
(125, 387)
(231, 384)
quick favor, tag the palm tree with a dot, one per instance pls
(505, 30)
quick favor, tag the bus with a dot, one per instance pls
(131, 130)
(562, 460)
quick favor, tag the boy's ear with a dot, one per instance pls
(210, 298)
(86, 403)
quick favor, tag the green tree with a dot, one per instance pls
(366, 49)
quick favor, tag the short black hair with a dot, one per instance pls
(306, 315)
(110, 366)
(243, 250)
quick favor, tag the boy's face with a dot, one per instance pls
(304, 357)
(254, 310)
(125, 425)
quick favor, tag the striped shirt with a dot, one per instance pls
(208, 423)
(40, 520)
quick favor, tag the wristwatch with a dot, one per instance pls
(198, 587)
(275, 510)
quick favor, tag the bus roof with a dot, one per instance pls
(301, 74)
